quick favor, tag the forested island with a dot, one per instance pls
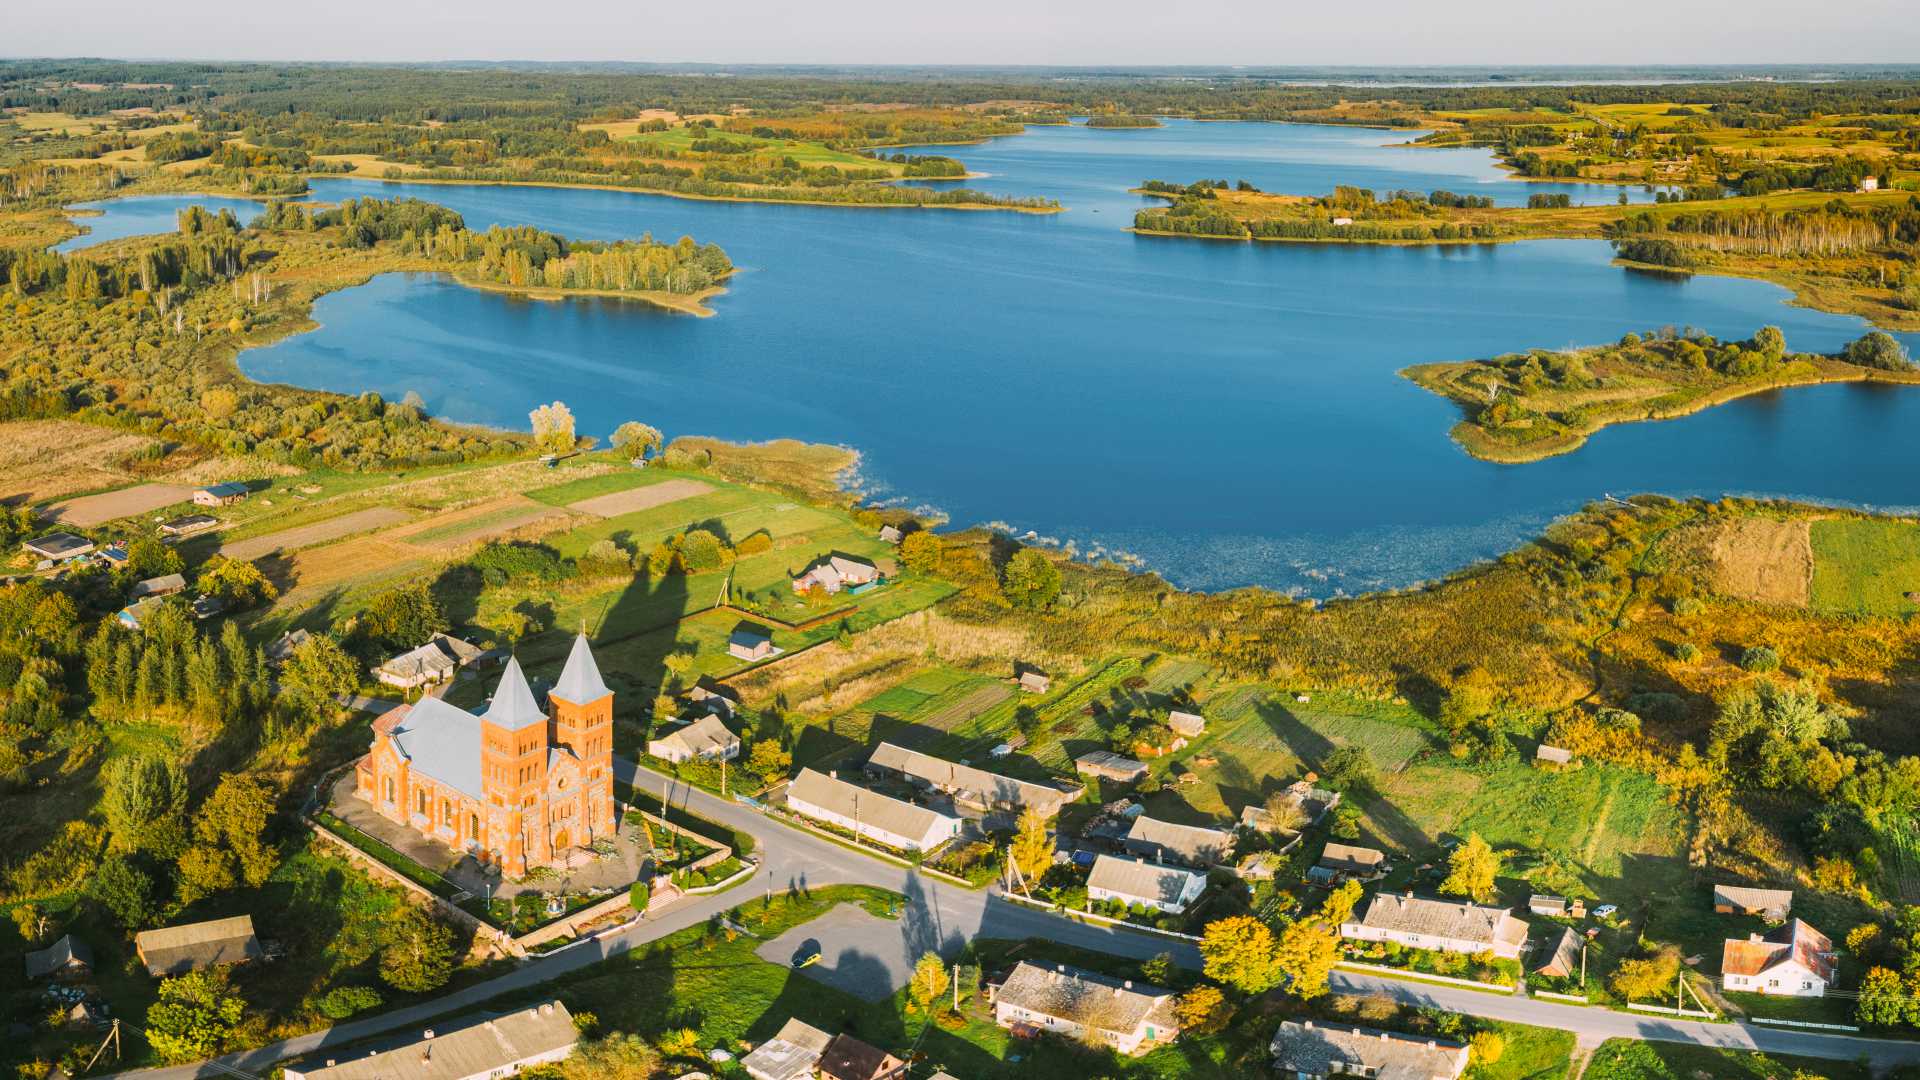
(1528, 406)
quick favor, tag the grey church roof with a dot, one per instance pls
(513, 704)
(443, 742)
(580, 680)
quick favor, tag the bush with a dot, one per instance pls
(1760, 659)
(343, 1001)
(500, 563)
(1878, 350)
(1686, 652)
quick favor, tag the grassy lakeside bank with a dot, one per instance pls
(1534, 406)
(685, 303)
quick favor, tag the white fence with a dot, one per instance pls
(1803, 1024)
(1577, 999)
(1668, 1010)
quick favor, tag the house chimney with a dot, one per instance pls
(1128, 984)
(427, 1034)
(330, 1063)
(1383, 1036)
(1307, 1024)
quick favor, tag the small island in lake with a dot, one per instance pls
(1121, 120)
(1528, 406)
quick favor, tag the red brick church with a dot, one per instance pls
(517, 785)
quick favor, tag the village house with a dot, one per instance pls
(970, 786)
(1869, 184)
(1188, 724)
(286, 645)
(1339, 862)
(1315, 1050)
(1131, 1018)
(1443, 925)
(164, 585)
(790, 1055)
(748, 642)
(848, 1058)
(1168, 889)
(1107, 765)
(435, 662)
(714, 696)
(220, 494)
(1772, 905)
(483, 1049)
(1312, 802)
(59, 547)
(176, 950)
(837, 572)
(517, 786)
(135, 615)
(114, 555)
(1190, 844)
(1563, 960)
(880, 818)
(1034, 682)
(706, 738)
(68, 958)
(1794, 960)
(188, 525)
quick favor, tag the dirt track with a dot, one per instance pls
(317, 533)
(642, 498)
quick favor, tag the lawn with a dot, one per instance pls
(1866, 566)
(1631, 1059)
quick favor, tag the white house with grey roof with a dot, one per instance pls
(969, 785)
(1130, 1017)
(869, 814)
(435, 662)
(1315, 1050)
(704, 738)
(483, 1049)
(1135, 881)
(1419, 922)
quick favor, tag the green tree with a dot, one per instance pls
(404, 617)
(1644, 978)
(930, 981)
(1878, 350)
(147, 557)
(233, 823)
(1030, 580)
(125, 891)
(922, 552)
(1240, 951)
(639, 895)
(552, 428)
(319, 673)
(1348, 767)
(235, 582)
(1883, 1000)
(195, 1016)
(343, 1001)
(1340, 903)
(145, 803)
(1471, 870)
(417, 955)
(1032, 847)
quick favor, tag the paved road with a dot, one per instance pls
(942, 916)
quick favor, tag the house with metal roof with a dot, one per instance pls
(750, 642)
(435, 662)
(59, 546)
(518, 785)
(1772, 905)
(477, 1049)
(1315, 1049)
(67, 958)
(789, 1055)
(175, 950)
(1132, 1018)
(1459, 926)
(883, 819)
(1563, 960)
(1793, 961)
(135, 615)
(186, 526)
(1190, 844)
(1341, 861)
(848, 1058)
(1034, 681)
(1555, 756)
(968, 785)
(1135, 881)
(164, 585)
(705, 738)
(220, 494)
(1107, 765)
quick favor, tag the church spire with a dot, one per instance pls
(580, 682)
(513, 705)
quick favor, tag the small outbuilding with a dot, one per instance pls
(890, 534)
(1186, 723)
(748, 642)
(198, 946)
(220, 494)
(1542, 904)
(1772, 905)
(1034, 681)
(1554, 756)
(1563, 960)
(164, 585)
(188, 525)
(68, 958)
(1107, 765)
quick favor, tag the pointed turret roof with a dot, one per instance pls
(513, 704)
(580, 681)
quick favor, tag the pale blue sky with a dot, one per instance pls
(979, 31)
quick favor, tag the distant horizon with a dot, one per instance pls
(990, 34)
(1114, 68)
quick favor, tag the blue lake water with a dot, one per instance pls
(1229, 413)
(140, 215)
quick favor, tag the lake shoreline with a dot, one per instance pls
(692, 197)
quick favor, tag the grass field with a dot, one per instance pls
(808, 154)
(1631, 1059)
(1865, 566)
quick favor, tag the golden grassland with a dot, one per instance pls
(685, 303)
(1559, 421)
